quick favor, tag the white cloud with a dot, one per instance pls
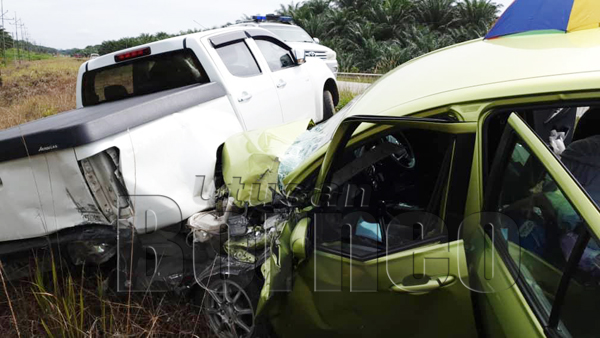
(78, 23)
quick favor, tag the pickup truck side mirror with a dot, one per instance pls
(316, 40)
(299, 240)
(299, 54)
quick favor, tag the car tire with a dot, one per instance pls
(328, 106)
(219, 316)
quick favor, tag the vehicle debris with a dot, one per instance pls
(205, 225)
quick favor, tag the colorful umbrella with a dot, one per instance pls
(536, 15)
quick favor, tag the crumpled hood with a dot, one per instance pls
(251, 161)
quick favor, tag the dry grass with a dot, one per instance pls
(58, 304)
(36, 89)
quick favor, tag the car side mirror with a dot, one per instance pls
(299, 240)
(300, 57)
(316, 40)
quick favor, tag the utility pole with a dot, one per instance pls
(4, 32)
(16, 24)
(24, 40)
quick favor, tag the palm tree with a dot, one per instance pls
(477, 12)
(436, 14)
(289, 10)
(391, 15)
(375, 35)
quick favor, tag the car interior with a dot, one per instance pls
(544, 225)
(387, 194)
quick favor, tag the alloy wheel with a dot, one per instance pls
(229, 310)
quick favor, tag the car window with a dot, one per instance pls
(142, 76)
(539, 224)
(239, 60)
(579, 310)
(387, 195)
(290, 33)
(277, 57)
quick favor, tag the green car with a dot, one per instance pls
(454, 198)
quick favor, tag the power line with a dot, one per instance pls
(24, 39)
(19, 45)
(4, 32)
(16, 43)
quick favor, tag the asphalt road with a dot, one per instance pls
(354, 87)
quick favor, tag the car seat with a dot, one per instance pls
(115, 92)
(588, 124)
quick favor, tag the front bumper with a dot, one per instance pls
(333, 65)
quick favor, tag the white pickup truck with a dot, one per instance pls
(141, 147)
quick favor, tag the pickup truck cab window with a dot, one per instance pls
(239, 60)
(142, 76)
(277, 57)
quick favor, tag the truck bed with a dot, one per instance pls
(86, 125)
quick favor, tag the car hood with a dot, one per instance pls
(250, 161)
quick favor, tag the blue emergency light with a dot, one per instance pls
(272, 17)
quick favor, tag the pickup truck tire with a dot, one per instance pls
(328, 106)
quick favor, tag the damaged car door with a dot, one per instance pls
(374, 249)
(533, 252)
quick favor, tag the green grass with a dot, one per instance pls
(345, 97)
(359, 79)
(11, 56)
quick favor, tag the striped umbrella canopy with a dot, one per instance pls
(542, 15)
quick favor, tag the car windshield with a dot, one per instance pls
(290, 33)
(309, 142)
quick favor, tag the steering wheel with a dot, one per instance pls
(405, 157)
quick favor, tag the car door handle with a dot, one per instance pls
(281, 84)
(433, 283)
(245, 97)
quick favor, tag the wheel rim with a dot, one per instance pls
(229, 310)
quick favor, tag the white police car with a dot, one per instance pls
(295, 37)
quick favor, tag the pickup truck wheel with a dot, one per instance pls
(328, 106)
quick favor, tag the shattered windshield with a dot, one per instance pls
(309, 142)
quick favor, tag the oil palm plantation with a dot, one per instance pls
(378, 35)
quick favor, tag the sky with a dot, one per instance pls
(67, 24)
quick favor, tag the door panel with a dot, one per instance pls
(499, 303)
(518, 249)
(356, 298)
(251, 88)
(296, 95)
(381, 276)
